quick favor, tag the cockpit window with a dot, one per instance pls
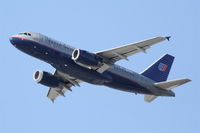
(27, 34)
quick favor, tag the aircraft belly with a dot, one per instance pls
(124, 84)
(64, 64)
(34, 49)
(61, 61)
(83, 74)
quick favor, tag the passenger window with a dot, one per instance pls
(25, 33)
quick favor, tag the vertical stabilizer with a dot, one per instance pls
(159, 71)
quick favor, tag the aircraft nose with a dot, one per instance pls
(12, 40)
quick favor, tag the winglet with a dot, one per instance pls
(168, 37)
(52, 100)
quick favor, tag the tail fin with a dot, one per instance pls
(159, 71)
(166, 85)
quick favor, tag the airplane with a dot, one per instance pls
(74, 66)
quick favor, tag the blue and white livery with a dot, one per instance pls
(74, 66)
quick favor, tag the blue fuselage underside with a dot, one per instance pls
(63, 62)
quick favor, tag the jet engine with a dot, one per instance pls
(46, 79)
(87, 59)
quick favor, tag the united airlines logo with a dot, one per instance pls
(162, 67)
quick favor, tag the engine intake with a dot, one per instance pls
(46, 79)
(86, 59)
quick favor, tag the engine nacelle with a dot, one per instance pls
(46, 79)
(86, 59)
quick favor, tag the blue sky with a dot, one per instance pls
(95, 26)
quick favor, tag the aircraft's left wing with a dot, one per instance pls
(112, 55)
(125, 51)
(53, 93)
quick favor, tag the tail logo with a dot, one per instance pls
(162, 67)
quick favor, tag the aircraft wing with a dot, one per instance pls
(116, 54)
(53, 93)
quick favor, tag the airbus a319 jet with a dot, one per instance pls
(74, 66)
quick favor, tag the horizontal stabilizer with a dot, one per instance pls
(149, 98)
(168, 85)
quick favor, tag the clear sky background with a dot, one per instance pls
(94, 26)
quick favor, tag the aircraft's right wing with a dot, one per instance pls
(53, 93)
